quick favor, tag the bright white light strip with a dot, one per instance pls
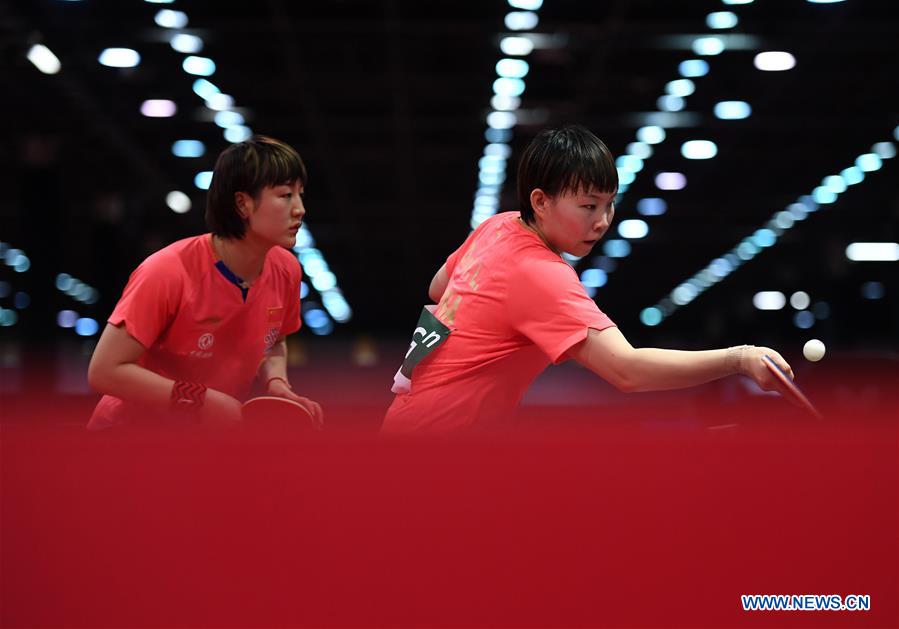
(763, 238)
(44, 59)
(178, 202)
(769, 300)
(774, 61)
(188, 44)
(158, 108)
(501, 120)
(119, 58)
(873, 252)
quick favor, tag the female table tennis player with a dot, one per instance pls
(202, 319)
(508, 305)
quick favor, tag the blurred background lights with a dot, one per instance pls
(203, 179)
(693, 68)
(43, 59)
(501, 119)
(652, 206)
(708, 46)
(732, 110)
(639, 149)
(205, 89)
(178, 202)
(721, 20)
(504, 102)
(670, 181)
(651, 316)
(512, 68)
(616, 248)
(508, 87)
(804, 320)
(769, 300)
(800, 300)
(699, 149)
(526, 5)
(852, 175)
(119, 58)
(188, 148)
(516, 46)
(824, 195)
(630, 163)
(158, 108)
(225, 119)
(85, 326)
(670, 103)
(167, 18)
(733, 2)
(774, 61)
(66, 318)
(198, 66)
(21, 300)
(521, 20)
(884, 150)
(187, 44)
(869, 162)
(238, 133)
(873, 251)
(8, 318)
(873, 290)
(834, 183)
(594, 278)
(633, 228)
(651, 134)
(220, 102)
(680, 87)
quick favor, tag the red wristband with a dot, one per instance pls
(284, 380)
(187, 396)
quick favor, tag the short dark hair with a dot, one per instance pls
(563, 160)
(248, 167)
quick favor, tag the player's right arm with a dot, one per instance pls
(114, 370)
(438, 284)
(609, 354)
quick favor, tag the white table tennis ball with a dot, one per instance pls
(814, 350)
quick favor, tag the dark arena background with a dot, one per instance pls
(756, 147)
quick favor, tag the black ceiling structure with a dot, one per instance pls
(387, 100)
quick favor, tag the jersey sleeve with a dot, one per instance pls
(292, 320)
(150, 300)
(547, 304)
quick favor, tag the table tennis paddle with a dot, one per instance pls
(268, 409)
(787, 388)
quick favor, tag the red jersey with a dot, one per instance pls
(512, 306)
(194, 323)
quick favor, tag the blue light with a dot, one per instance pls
(804, 320)
(188, 148)
(732, 110)
(21, 300)
(721, 20)
(594, 278)
(21, 263)
(852, 175)
(66, 318)
(238, 133)
(693, 68)
(226, 119)
(652, 206)
(680, 87)
(651, 316)
(204, 89)
(708, 46)
(630, 163)
(617, 248)
(824, 195)
(497, 135)
(885, 150)
(670, 103)
(834, 183)
(505, 86)
(304, 290)
(764, 238)
(203, 180)
(85, 326)
(721, 267)
(873, 290)
(315, 317)
(651, 134)
(199, 66)
(633, 228)
(869, 162)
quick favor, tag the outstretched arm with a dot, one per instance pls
(609, 354)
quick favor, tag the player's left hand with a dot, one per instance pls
(756, 369)
(279, 388)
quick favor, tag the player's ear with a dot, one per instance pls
(539, 201)
(242, 202)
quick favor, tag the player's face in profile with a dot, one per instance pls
(575, 221)
(277, 214)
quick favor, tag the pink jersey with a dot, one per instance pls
(513, 307)
(194, 323)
